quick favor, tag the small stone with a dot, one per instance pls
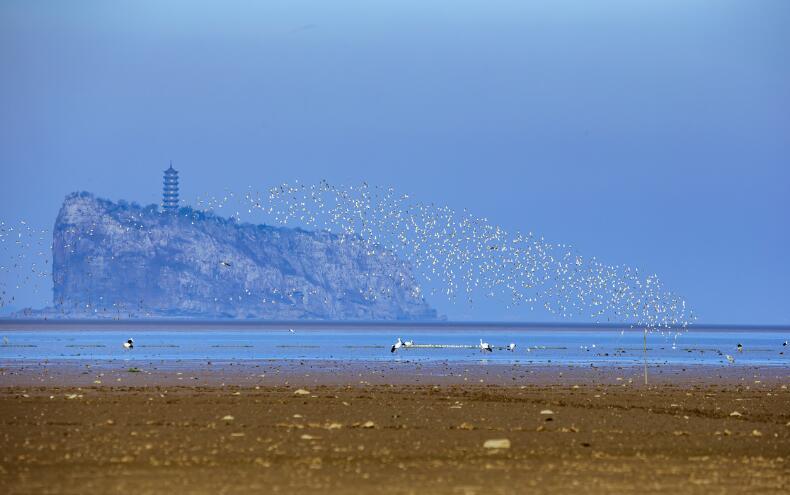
(757, 433)
(497, 443)
(466, 426)
(547, 411)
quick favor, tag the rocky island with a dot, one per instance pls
(124, 260)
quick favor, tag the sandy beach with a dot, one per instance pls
(352, 428)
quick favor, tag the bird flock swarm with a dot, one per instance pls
(454, 253)
(465, 257)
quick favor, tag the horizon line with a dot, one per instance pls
(253, 323)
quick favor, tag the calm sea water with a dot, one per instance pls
(563, 346)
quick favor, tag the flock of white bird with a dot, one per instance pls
(457, 254)
(465, 256)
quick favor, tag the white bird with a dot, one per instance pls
(408, 343)
(729, 358)
(291, 330)
(485, 346)
(511, 347)
(129, 344)
(397, 345)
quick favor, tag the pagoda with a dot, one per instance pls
(170, 190)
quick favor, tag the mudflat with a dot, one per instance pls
(69, 431)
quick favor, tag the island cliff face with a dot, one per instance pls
(120, 259)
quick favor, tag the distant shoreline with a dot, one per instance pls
(254, 324)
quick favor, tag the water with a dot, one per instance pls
(539, 346)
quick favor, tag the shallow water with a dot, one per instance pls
(561, 346)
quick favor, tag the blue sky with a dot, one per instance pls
(655, 134)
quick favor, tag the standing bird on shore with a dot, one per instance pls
(408, 343)
(784, 344)
(129, 344)
(740, 348)
(485, 346)
(397, 345)
(511, 347)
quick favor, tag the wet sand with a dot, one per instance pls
(294, 427)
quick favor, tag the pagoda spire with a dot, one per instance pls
(170, 190)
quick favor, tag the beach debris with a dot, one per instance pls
(333, 426)
(228, 418)
(309, 437)
(129, 344)
(301, 391)
(368, 424)
(73, 396)
(237, 434)
(681, 433)
(397, 345)
(736, 414)
(757, 433)
(485, 346)
(134, 370)
(547, 411)
(466, 426)
(497, 443)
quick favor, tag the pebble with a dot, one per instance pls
(497, 443)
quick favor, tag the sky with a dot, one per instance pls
(653, 134)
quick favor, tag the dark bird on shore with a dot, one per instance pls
(740, 347)
(129, 344)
